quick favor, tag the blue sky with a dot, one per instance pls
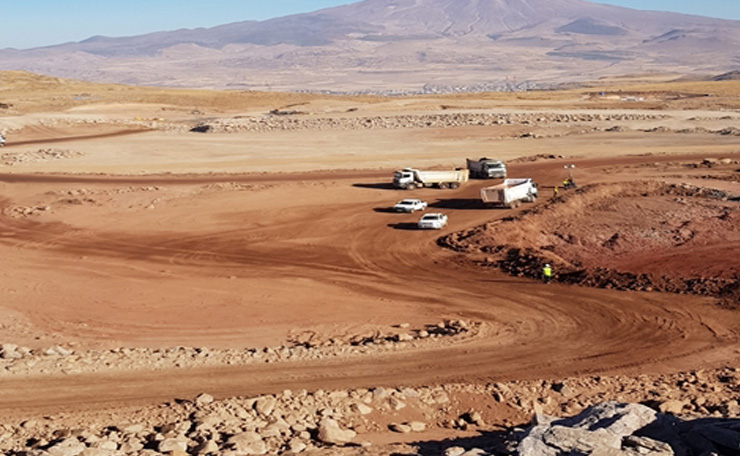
(32, 23)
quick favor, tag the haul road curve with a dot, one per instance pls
(207, 267)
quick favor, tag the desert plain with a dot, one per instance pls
(166, 251)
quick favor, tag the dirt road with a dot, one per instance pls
(246, 260)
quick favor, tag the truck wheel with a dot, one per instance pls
(410, 186)
(443, 185)
(455, 185)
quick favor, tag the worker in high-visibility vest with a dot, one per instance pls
(547, 273)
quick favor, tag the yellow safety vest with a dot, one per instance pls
(547, 272)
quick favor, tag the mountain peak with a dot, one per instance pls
(388, 44)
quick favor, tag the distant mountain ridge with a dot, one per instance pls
(403, 44)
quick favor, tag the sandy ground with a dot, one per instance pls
(162, 238)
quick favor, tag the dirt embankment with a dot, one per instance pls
(646, 236)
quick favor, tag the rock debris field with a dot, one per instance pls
(685, 414)
(271, 123)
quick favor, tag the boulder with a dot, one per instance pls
(454, 451)
(169, 445)
(203, 399)
(418, 426)
(361, 408)
(600, 427)
(265, 405)
(67, 447)
(673, 407)
(247, 443)
(400, 428)
(330, 432)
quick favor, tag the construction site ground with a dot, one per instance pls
(121, 231)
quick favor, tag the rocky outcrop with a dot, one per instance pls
(619, 429)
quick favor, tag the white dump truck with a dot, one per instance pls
(409, 178)
(511, 193)
(487, 168)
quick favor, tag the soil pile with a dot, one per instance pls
(638, 236)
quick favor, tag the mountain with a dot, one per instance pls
(403, 45)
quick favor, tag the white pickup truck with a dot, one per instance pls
(2, 141)
(511, 193)
(410, 205)
(432, 221)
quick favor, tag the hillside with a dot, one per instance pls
(430, 45)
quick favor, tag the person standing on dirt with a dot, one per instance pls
(555, 191)
(547, 273)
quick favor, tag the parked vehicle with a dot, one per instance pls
(511, 193)
(409, 178)
(410, 205)
(2, 141)
(487, 168)
(432, 221)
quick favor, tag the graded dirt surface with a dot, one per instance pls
(149, 237)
